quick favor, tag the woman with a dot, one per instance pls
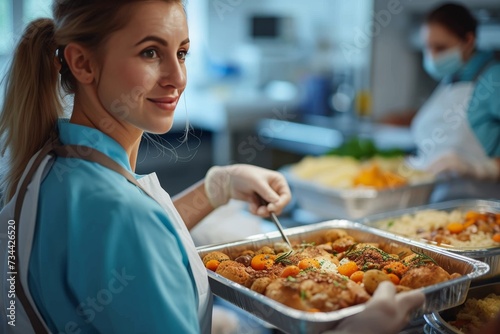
(111, 254)
(457, 130)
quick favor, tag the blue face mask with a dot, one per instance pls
(444, 64)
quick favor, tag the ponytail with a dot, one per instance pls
(32, 102)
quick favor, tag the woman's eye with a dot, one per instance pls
(150, 53)
(181, 55)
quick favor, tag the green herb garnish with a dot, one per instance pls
(402, 254)
(303, 294)
(304, 271)
(305, 244)
(350, 250)
(284, 258)
(422, 259)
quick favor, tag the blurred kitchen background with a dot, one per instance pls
(273, 80)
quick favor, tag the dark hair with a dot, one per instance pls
(454, 17)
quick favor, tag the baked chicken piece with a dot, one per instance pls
(316, 291)
(234, 271)
(429, 274)
(313, 252)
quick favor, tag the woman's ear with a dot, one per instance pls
(79, 61)
(470, 41)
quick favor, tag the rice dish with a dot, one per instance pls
(449, 229)
(476, 313)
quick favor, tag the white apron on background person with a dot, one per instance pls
(441, 127)
(151, 184)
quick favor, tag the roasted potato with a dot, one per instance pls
(281, 247)
(334, 234)
(260, 284)
(372, 279)
(265, 250)
(219, 256)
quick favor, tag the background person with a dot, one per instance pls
(458, 129)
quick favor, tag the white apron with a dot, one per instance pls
(25, 233)
(151, 184)
(441, 126)
(23, 236)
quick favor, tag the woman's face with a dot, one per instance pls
(143, 72)
(439, 39)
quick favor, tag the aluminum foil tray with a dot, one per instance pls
(438, 297)
(491, 255)
(327, 202)
(438, 321)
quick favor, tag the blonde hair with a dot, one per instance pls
(38, 71)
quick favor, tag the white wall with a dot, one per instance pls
(341, 23)
(395, 66)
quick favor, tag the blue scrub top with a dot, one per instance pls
(105, 257)
(484, 109)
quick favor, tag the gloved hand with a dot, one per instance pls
(386, 312)
(451, 164)
(248, 183)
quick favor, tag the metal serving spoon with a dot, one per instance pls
(280, 228)
(277, 223)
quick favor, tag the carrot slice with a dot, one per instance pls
(212, 265)
(309, 263)
(262, 261)
(394, 278)
(290, 271)
(469, 222)
(348, 268)
(357, 276)
(496, 237)
(455, 227)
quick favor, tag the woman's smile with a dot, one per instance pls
(165, 103)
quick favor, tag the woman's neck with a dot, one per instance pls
(468, 55)
(128, 136)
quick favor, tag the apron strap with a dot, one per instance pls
(93, 155)
(54, 147)
(36, 323)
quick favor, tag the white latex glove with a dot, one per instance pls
(248, 183)
(386, 312)
(451, 164)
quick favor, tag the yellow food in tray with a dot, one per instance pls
(346, 172)
(374, 176)
(456, 228)
(335, 274)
